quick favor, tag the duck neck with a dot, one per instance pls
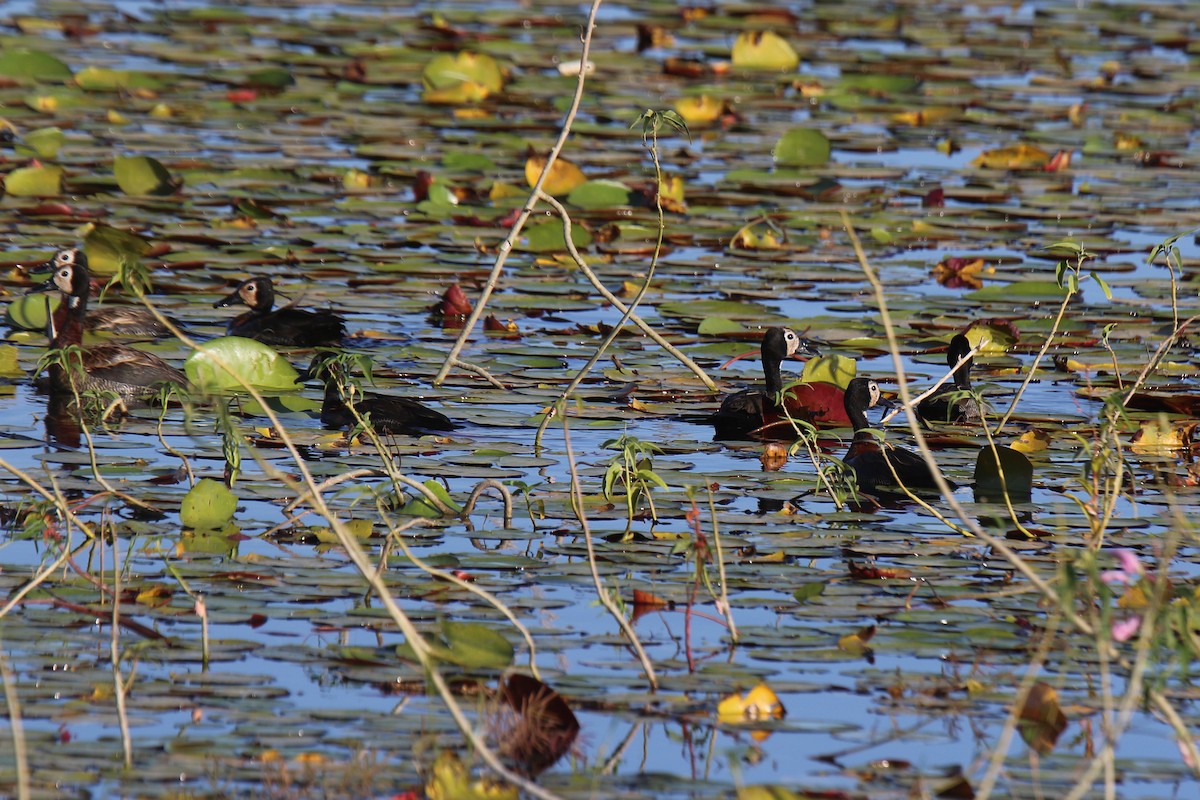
(67, 322)
(772, 374)
(858, 418)
(962, 376)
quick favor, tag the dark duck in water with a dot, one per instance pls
(109, 368)
(389, 414)
(287, 326)
(872, 460)
(950, 403)
(753, 411)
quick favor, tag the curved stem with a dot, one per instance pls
(507, 245)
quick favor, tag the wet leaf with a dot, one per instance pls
(142, 175)
(763, 50)
(37, 181)
(42, 143)
(1040, 719)
(1032, 441)
(250, 362)
(451, 780)
(699, 109)
(209, 504)
(757, 704)
(802, 147)
(33, 65)
(447, 69)
(31, 312)
(547, 237)
(832, 369)
(420, 507)
(564, 176)
(855, 644)
(599, 194)
(1015, 157)
(112, 80)
(1001, 468)
(476, 646)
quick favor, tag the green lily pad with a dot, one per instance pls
(43, 143)
(835, 369)
(40, 181)
(1001, 468)
(142, 175)
(802, 147)
(32, 312)
(209, 504)
(449, 70)
(98, 79)
(420, 507)
(599, 194)
(33, 65)
(476, 646)
(251, 362)
(547, 237)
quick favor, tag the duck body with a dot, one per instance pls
(287, 326)
(949, 404)
(127, 322)
(389, 414)
(752, 413)
(872, 461)
(108, 368)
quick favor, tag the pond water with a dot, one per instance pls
(303, 692)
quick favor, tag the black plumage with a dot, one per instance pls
(287, 326)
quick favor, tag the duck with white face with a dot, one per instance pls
(108, 368)
(283, 327)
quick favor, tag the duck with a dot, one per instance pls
(107, 368)
(389, 414)
(753, 411)
(869, 458)
(951, 403)
(287, 326)
(129, 322)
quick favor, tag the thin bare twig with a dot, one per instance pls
(506, 246)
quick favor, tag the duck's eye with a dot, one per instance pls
(65, 273)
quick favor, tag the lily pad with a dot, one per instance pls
(142, 175)
(764, 50)
(209, 504)
(802, 147)
(40, 181)
(32, 64)
(250, 362)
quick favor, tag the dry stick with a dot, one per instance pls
(120, 687)
(501, 489)
(1133, 691)
(506, 246)
(916, 401)
(973, 526)
(601, 594)
(363, 564)
(616, 302)
(1158, 356)
(626, 312)
(20, 752)
(479, 592)
(1062, 311)
(1000, 751)
(723, 600)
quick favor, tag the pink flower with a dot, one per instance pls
(1130, 571)
(1123, 630)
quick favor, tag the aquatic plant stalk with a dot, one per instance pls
(601, 593)
(506, 247)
